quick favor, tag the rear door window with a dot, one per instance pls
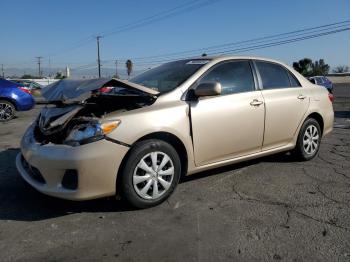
(319, 80)
(273, 76)
(325, 79)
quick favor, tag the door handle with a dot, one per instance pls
(301, 97)
(256, 102)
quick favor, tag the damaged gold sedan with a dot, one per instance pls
(138, 138)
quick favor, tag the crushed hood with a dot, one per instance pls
(68, 90)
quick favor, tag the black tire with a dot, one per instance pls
(300, 150)
(7, 111)
(138, 152)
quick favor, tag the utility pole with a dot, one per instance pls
(49, 67)
(116, 69)
(98, 56)
(39, 64)
(2, 70)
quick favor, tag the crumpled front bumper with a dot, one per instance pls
(95, 164)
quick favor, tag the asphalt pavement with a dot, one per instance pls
(269, 209)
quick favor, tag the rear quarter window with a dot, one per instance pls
(294, 82)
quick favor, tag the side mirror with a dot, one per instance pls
(208, 89)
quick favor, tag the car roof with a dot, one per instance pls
(7, 83)
(220, 58)
(233, 57)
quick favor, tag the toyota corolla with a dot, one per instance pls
(136, 140)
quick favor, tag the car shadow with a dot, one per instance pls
(284, 157)
(20, 202)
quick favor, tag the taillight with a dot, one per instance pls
(24, 89)
(331, 97)
(105, 89)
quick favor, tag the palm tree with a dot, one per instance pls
(129, 66)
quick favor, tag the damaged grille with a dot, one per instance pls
(56, 121)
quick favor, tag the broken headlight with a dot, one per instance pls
(90, 132)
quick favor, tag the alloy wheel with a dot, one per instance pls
(6, 111)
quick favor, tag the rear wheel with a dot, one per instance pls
(309, 140)
(151, 173)
(7, 111)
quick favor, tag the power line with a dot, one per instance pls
(252, 44)
(256, 47)
(193, 5)
(76, 45)
(266, 38)
(184, 8)
(284, 42)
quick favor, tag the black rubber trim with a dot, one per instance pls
(117, 141)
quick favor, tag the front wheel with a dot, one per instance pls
(309, 140)
(7, 111)
(151, 173)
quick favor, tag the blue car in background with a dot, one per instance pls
(13, 97)
(322, 81)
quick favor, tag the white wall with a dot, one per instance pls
(339, 79)
(43, 82)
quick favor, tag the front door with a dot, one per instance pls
(232, 124)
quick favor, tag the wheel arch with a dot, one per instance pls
(170, 138)
(318, 117)
(12, 101)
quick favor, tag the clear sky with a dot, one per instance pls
(52, 28)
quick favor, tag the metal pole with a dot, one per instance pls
(2, 70)
(116, 69)
(39, 64)
(49, 67)
(98, 56)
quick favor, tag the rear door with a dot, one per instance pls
(286, 103)
(231, 124)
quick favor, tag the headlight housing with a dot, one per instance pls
(90, 132)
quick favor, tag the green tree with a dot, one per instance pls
(28, 76)
(59, 75)
(341, 69)
(308, 68)
(303, 66)
(320, 68)
(129, 67)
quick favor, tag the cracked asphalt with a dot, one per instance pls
(269, 209)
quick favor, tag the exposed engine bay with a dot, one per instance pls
(71, 121)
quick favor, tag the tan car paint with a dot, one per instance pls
(96, 164)
(227, 126)
(284, 113)
(220, 136)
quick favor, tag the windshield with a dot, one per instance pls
(168, 76)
